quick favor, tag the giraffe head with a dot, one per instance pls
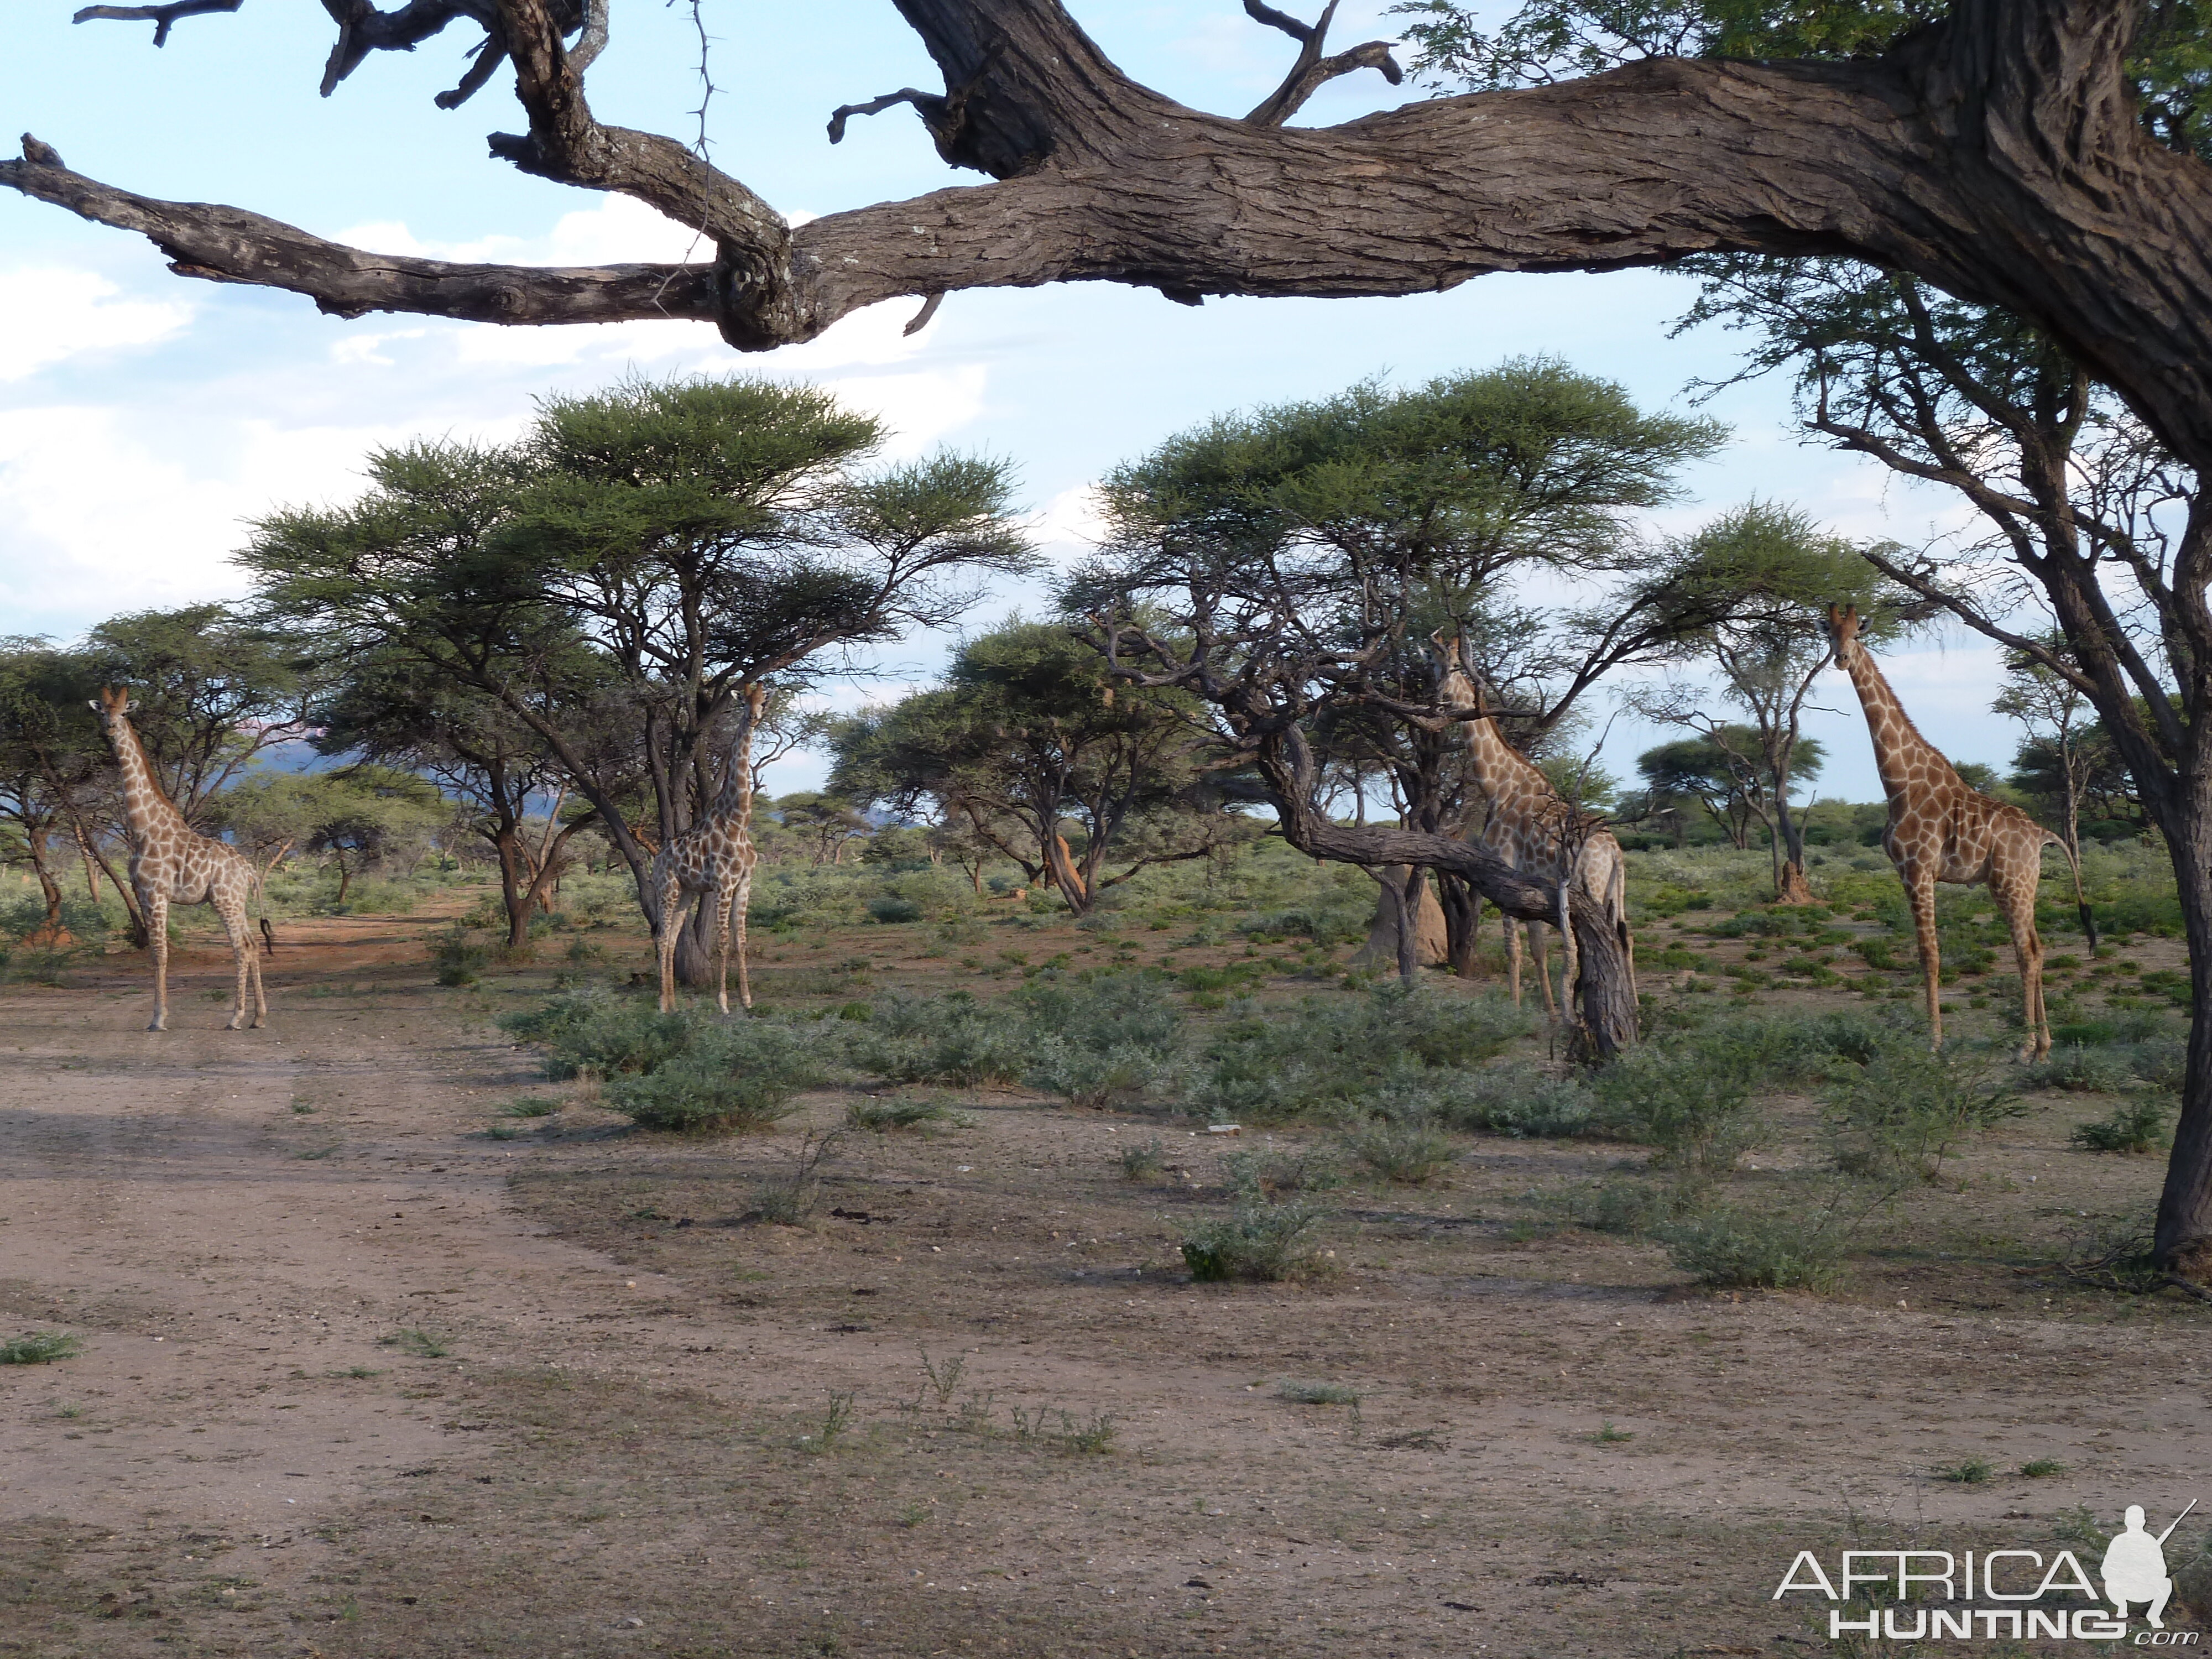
(1844, 632)
(113, 704)
(1456, 684)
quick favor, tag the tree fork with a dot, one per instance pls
(1609, 1013)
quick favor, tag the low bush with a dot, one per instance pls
(456, 958)
(881, 1116)
(1408, 1153)
(591, 1029)
(1732, 1250)
(38, 1348)
(2079, 1070)
(1342, 1059)
(948, 1039)
(1512, 1100)
(1118, 1077)
(892, 911)
(1258, 1240)
(1147, 1160)
(1899, 1115)
(2136, 1125)
(730, 1078)
(1690, 1098)
(1274, 1172)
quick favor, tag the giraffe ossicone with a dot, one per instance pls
(1940, 829)
(172, 863)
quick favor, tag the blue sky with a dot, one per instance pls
(144, 417)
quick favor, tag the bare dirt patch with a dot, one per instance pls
(360, 1379)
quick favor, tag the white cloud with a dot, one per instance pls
(63, 314)
(1070, 525)
(101, 517)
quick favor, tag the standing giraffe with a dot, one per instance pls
(714, 856)
(169, 861)
(1939, 830)
(1538, 831)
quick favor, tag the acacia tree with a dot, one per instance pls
(1380, 516)
(393, 709)
(618, 579)
(2040, 155)
(1779, 574)
(1029, 733)
(2061, 745)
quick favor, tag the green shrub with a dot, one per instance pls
(1258, 1240)
(1119, 1076)
(455, 956)
(1690, 1098)
(1147, 1160)
(2079, 1070)
(1101, 1041)
(730, 1078)
(1269, 1173)
(1901, 1115)
(1625, 1205)
(1512, 1100)
(948, 1039)
(2135, 1126)
(590, 1030)
(1409, 1153)
(38, 1347)
(880, 1116)
(1730, 1249)
(1341, 1059)
(891, 911)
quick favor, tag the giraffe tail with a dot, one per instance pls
(2080, 904)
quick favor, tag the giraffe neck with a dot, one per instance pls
(151, 812)
(733, 802)
(1904, 759)
(1499, 769)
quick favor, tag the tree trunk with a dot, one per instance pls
(695, 944)
(2184, 1205)
(1390, 940)
(345, 880)
(1462, 911)
(1609, 1013)
(51, 931)
(512, 892)
(1790, 886)
(1061, 866)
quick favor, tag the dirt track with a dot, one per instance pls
(620, 1449)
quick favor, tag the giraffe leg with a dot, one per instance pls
(744, 903)
(1540, 946)
(1923, 895)
(156, 905)
(1513, 956)
(723, 897)
(2018, 899)
(241, 957)
(664, 940)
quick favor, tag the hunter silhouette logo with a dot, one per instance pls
(1922, 1595)
(2134, 1568)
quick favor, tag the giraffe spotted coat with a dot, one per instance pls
(172, 863)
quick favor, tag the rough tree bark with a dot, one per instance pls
(1996, 154)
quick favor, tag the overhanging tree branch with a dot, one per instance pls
(1996, 155)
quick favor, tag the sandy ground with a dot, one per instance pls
(360, 1379)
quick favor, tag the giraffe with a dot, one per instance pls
(1939, 830)
(170, 861)
(1539, 831)
(714, 856)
